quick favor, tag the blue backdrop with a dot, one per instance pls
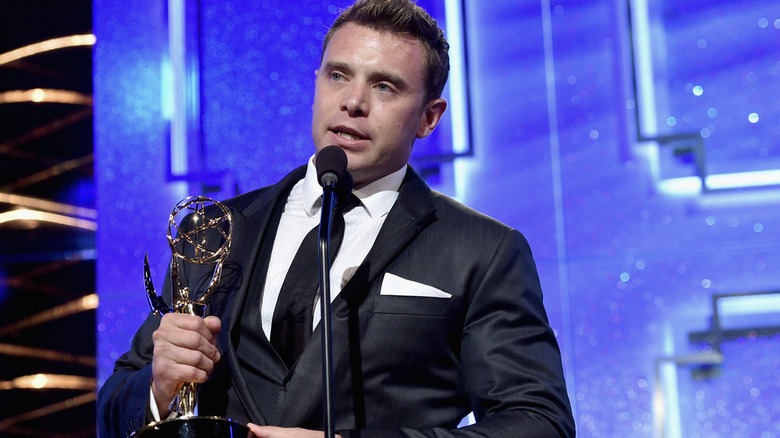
(635, 146)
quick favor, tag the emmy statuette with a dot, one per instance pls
(203, 237)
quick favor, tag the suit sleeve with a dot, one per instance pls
(509, 355)
(123, 401)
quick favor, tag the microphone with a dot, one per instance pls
(331, 164)
(332, 174)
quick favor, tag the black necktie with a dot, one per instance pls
(293, 315)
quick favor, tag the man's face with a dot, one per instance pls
(368, 100)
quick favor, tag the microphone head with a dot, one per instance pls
(331, 164)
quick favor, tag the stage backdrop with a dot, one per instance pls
(636, 145)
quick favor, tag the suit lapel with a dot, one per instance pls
(412, 212)
(251, 223)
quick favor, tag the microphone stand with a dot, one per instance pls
(328, 196)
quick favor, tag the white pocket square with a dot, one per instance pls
(395, 285)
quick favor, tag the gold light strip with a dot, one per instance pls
(48, 173)
(43, 204)
(24, 280)
(24, 214)
(52, 355)
(45, 288)
(48, 410)
(9, 146)
(50, 381)
(46, 46)
(82, 304)
(45, 95)
(42, 270)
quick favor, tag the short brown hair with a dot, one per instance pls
(402, 16)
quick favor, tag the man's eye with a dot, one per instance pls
(336, 76)
(384, 88)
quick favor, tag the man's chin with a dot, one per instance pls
(358, 180)
(360, 176)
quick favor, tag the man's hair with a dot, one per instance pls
(402, 16)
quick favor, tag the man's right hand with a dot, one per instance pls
(184, 351)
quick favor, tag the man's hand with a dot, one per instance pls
(184, 351)
(284, 432)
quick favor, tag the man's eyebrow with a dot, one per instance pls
(393, 78)
(336, 65)
(380, 75)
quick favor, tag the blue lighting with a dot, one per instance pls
(749, 305)
(743, 180)
(457, 82)
(629, 245)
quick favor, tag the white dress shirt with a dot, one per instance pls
(301, 214)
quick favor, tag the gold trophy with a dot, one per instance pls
(203, 237)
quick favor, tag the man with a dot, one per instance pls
(438, 309)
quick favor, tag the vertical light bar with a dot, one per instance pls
(458, 108)
(666, 402)
(177, 53)
(644, 67)
(557, 187)
(645, 85)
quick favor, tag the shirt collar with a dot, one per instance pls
(377, 197)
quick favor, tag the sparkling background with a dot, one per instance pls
(628, 269)
(258, 62)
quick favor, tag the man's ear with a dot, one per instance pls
(430, 117)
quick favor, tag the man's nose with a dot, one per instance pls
(356, 101)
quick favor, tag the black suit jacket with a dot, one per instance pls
(405, 365)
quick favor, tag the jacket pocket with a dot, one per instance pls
(413, 306)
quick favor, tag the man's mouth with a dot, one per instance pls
(349, 135)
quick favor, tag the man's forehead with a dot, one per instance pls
(355, 42)
(370, 35)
